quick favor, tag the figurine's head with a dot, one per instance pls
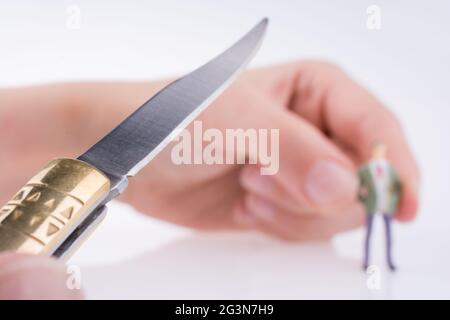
(379, 151)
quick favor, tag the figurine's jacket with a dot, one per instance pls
(370, 199)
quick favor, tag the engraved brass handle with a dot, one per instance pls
(41, 216)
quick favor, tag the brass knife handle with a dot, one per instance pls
(51, 206)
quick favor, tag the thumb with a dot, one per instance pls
(313, 172)
(25, 277)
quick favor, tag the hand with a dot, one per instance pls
(327, 126)
(33, 277)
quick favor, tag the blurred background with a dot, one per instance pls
(404, 59)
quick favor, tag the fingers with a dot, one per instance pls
(267, 187)
(312, 170)
(32, 277)
(258, 213)
(353, 117)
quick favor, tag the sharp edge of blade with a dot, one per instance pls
(198, 110)
(257, 31)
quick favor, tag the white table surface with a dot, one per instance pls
(406, 64)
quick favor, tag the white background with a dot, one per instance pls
(406, 64)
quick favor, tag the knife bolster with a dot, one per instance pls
(50, 206)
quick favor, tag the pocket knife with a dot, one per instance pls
(65, 201)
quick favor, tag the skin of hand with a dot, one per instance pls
(327, 125)
(34, 277)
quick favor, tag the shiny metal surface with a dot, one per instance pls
(54, 203)
(64, 202)
(132, 144)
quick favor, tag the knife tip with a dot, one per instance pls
(261, 26)
(264, 22)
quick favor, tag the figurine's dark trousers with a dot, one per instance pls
(387, 222)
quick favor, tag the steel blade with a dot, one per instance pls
(140, 137)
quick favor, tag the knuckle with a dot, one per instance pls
(383, 121)
(322, 67)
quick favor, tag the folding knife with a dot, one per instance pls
(64, 202)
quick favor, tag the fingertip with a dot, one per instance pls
(409, 205)
(25, 277)
(329, 184)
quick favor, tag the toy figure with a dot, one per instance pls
(380, 193)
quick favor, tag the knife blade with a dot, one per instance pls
(61, 205)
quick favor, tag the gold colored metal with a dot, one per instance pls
(50, 206)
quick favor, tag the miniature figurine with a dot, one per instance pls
(379, 192)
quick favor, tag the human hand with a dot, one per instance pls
(327, 126)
